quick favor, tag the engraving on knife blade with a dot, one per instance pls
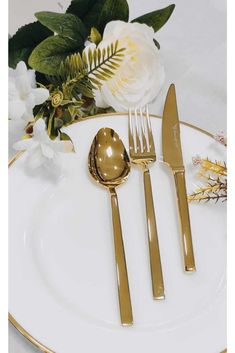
(176, 134)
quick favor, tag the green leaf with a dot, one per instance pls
(47, 56)
(50, 122)
(97, 13)
(58, 123)
(66, 25)
(156, 19)
(156, 43)
(38, 112)
(24, 41)
(67, 116)
(65, 137)
(95, 36)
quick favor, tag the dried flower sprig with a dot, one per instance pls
(214, 173)
(221, 138)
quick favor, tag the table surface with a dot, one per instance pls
(193, 49)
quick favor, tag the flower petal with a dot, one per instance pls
(39, 130)
(16, 109)
(54, 165)
(47, 151)
(40, 95)
(12, 91)
(23, 86)
(32, 78)
(35, 158)
(23, 145)
(21, 68)
(63, 146)
(99, 100)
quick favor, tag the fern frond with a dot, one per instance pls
(89, 70)
(215, 167)
(211, 191)
(207, 197)
(214, 174)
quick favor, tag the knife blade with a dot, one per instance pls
(172, 155)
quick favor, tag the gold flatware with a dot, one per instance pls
(109, 165)
(172, 155)
(142, 153)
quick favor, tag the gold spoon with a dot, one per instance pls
(109, 165)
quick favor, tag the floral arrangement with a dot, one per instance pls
(89, 60)
(214, 175)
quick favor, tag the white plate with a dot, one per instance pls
(62, 272)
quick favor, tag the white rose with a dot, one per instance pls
(140, 76)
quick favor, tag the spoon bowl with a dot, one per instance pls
(108, 161)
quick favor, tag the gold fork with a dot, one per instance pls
(142, 153)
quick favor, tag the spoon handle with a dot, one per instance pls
(122, 276)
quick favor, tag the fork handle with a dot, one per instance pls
(187, 244)
(122, 276)
(154, 252)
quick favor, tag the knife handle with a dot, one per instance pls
(186, 237)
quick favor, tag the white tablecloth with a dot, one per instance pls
(193, 48)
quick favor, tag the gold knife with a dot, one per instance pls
(172, 155)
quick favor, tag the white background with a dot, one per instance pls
(193, 48)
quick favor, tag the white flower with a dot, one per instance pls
(140, 76)
(23, 94)
(41, 149)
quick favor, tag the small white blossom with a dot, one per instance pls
(42, 150)
(23, 93)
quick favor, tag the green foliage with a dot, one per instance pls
(97, 13)
(34, 44)
(156, 19)
(70, 73)
(24, 41)
(66, 25)
(70, 38)
(47, 56)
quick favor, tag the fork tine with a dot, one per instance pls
(130, 133)
(137, 132)
(143, 131)
(149, 131)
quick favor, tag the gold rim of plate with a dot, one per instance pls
(26, 334)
